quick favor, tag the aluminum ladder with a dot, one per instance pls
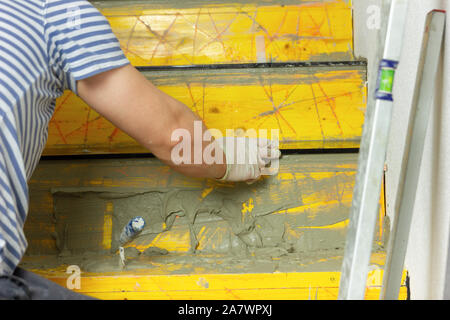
(372, 158)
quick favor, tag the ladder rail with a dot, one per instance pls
(370, 171)
(413, 153)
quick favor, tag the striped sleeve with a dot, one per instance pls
(80, 42)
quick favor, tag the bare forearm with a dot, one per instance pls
(137, 107)
(184, 119)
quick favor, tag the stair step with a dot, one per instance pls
(303, 209)
(313, 107)
(294, 251)
(280, 238)
(172, 32)
(146, 284)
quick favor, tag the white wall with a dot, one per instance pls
(428, 244)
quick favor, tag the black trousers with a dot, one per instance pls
(25, 285)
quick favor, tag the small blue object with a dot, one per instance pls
(385, 82)
(131, 230)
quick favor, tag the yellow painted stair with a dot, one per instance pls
(313, 107)
(317, 100)
(242, 64)
(155, 33)
(297, 224)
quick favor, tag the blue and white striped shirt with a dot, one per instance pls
(45, 47)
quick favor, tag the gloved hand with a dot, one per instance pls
(247, 158)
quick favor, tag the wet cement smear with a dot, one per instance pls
(243, 207)
(280, 223)
(246, 210)
(257, 235)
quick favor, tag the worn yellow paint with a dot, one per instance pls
(286, 176)
(107, 226)
(248, 206)
(338, 225)
(312, 109)
(273, 286)
(207, 191)
(202, 33)
(382, 214)
(326, 112)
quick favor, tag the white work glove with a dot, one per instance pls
(248, 158)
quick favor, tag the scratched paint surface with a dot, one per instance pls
(312, 108)
(200, 32)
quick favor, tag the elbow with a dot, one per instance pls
(173, 138)
(171, 144)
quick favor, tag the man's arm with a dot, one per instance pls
(133, 104)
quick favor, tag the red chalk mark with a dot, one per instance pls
(122, 172)
(194, 102)
(287, 122)
(60, 134)
(131, 33)
(132, 52)
(86, 129)
(162, 39)
(54, 119)
(332, 104)
(219, 34)
(217, 31)
(298, 53)
(276, 35)
(112, 135)
(83, 126)
(203, 101)
(232, 293)
(276, 112)
(315, 31)
(197, 27)
(69, 94)
(317, 112)
(317, 26)
(271, 38)
(328, 21)
(195, 33)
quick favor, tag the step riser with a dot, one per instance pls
(303, 209)
(313, 108)
(201, 32)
